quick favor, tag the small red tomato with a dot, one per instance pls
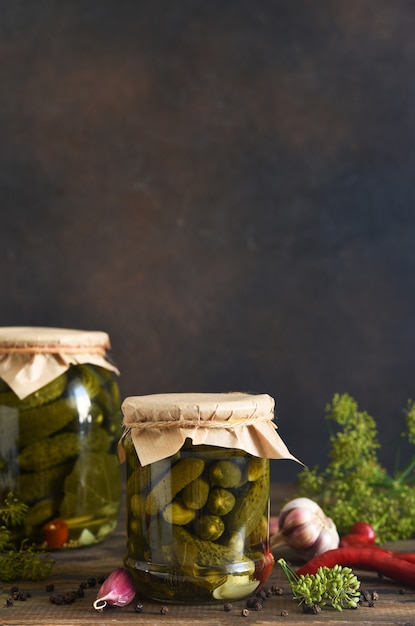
(365, 531)
(55, 533)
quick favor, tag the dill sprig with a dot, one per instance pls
(23, 562)
(354, 486)
(334, 586)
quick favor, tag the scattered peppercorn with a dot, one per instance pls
(257, 605)
(9, 601)
(50, 587)
(56, 598)
(278, 591)
(245, 612)
(314, 609)
(375, 595)
(284, 613)
(401, 591)
(80, 592)
(227, 606)
(92, 581)
(164, 610)
(250, 603)
(138, 608)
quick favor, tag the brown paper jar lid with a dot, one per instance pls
(33, 356)
(160, 423)
(194, 407)
(44, 339)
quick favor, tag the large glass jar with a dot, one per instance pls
(60, 422)
(198, 486)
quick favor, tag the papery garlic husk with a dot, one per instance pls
(304, 527)
(116, 590)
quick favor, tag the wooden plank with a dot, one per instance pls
(78, 565)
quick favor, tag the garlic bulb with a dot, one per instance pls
(304, 527)
(116, 590)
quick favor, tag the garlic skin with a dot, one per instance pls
(304, 527)
(116, 590)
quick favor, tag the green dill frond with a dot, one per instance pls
(13, 511)
(354, 486)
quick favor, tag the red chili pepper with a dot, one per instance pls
(55, 533)
(370, 559)
(263, 568)
(349, 541)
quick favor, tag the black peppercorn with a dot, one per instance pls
(227, 606)
(138, 608)
(164, 610)
(245, 612)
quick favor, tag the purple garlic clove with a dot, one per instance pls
(116, 590)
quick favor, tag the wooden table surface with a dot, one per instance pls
(395, 605)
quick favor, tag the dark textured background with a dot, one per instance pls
(226, 188)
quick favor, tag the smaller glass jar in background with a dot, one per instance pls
(198, 486)
(60, 422)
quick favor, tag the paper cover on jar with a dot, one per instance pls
(31, 357)
(160, 424)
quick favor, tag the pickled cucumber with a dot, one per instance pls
(248, 510)
(210, 527)
(196, 493)
(220, 501)
(36, 485)
(144, 478)
(256, 468)
(177, 513)
(181, 474)
(52, 451)
(225, 473)
(45, 420)
(201, 552)
(40, 513)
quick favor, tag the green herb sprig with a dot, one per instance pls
(334, 586)
(354, 486)
(23, 562)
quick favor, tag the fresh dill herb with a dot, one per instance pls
(334, 586)
(22, 562)
(354, 486)
(13, 512)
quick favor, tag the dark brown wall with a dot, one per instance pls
(227, 188)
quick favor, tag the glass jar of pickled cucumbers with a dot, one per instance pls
(198, 485)
(60, 423)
